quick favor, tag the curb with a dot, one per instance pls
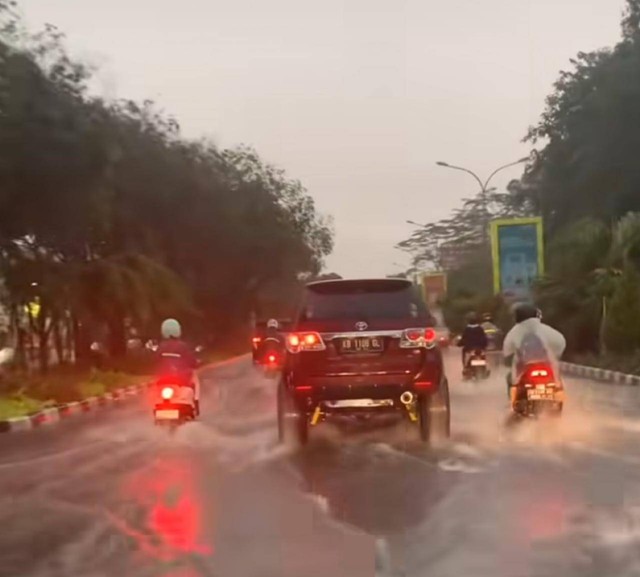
(600, 374)
(56, 414)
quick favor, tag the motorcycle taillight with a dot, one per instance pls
(540, 374)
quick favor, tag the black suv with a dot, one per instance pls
(362, 346)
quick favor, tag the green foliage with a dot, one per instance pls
(18, 406)
(588, 166)
(623, 319)
(107, 214)
(589, 286)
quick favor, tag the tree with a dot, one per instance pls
(587, 165)
(591, 265)
(116, 218)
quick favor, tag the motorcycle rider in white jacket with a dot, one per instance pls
(530, 341)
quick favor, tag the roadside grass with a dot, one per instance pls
(23, 394)
(18, 406)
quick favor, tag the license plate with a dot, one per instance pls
(360, 403)
(478, 363)
(539, 396)
(168, 414)
(361, 345)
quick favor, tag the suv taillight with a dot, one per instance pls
(418, 338)
(310, 341)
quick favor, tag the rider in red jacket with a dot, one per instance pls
(176, 356)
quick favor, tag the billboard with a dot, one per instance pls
(517, 252)
(434, 287)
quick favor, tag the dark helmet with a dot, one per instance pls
(472, 318)
(524, 311)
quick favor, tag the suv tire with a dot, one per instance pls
(434, 414)
(288, 424)
(424, 417)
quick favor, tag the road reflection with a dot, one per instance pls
(377, 488)
(167, 523)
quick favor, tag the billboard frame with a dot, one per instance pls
(494, 232)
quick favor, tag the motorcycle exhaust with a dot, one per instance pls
(406, 398)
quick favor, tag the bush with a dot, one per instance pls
(622, 331)
(622, 363)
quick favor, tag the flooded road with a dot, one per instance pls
(114, 495)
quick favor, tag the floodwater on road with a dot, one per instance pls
(113, 495)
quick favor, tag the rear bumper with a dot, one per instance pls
(184, 409)
(370, 387)
(312, 389)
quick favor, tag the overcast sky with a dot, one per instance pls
(356, 98)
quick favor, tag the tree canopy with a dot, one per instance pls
(109, 216)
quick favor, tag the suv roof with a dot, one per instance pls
(341, 285)
(382, 303)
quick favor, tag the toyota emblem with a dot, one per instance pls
(362, 326)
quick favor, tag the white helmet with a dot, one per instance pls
(273, 324)
(171, 329)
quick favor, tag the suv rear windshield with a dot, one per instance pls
(363, 300)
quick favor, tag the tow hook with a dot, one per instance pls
(316, 415)
(409, 401)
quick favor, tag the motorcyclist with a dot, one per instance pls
(175, 355)
(473, 338)
(530, 341)
(273, 326)
(272, 339)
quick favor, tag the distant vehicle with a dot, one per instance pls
(259, 335)
(271, 356)
(362, 347)
(476, 367)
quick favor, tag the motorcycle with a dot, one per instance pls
(175, 401)
(476, 367)
(538, 391)
(271, 357)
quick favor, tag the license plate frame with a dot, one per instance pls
(359, 403)
(167, 414)
(534, 395)
(356, 345)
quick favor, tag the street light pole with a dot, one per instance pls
(483, 185)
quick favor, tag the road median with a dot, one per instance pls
(599, 374)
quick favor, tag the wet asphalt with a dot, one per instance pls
(112, 495)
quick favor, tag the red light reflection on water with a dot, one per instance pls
(172, 525)
(545, 517)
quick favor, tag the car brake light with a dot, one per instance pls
(272, 358)
(414, 334)
(310, 341)
(167, 393)
(256, 340)
(303, 388)
(294, 340)
(416, 338)
(423, 384)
